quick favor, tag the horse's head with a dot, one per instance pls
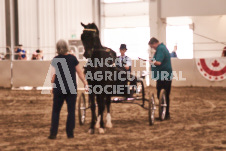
(90, 38)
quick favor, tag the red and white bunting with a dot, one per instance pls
(213, 69)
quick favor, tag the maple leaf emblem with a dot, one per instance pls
(215, 63)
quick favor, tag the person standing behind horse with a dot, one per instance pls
(64, 68)
(124, 65)
(162, 70)
(125, 61)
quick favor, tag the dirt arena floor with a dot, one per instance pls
(198, 122)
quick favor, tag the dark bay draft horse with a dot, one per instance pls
(100, 60)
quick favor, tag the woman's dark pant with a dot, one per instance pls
(58, 100)
(167, 86)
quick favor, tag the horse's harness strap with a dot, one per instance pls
(107, 50)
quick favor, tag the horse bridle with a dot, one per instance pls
(107, 50)
(90, 30)
(93, 30)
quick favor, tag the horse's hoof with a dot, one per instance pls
(91, 131)
(109, 125)
(101, 130)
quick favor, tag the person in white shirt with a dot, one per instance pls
(125, 66)
(126, 62)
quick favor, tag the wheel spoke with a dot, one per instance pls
(162, 104)
(151, 109)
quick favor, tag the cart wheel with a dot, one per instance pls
(151, 109)
(82, 109)
(162, 105)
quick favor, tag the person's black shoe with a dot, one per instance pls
(52, 137)
(71, 136)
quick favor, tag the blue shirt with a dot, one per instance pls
(65, 80)
(164, 71)
(173, 54)
(23, 55)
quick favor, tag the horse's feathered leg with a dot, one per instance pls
(98, 122)
(93, 113)
(108, 117)
(101, 106)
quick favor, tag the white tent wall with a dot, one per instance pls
(69, 14)
(124, 15)
(28, 24)
(46, 28)
(128, 21)
(2, 27)
(43, 22)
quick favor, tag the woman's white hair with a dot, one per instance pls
(62, 47)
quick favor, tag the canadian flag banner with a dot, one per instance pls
(213, 69)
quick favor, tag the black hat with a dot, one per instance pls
(123, 46)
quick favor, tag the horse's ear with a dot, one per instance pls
(83, 25)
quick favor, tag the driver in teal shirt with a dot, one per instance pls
(161, 70)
